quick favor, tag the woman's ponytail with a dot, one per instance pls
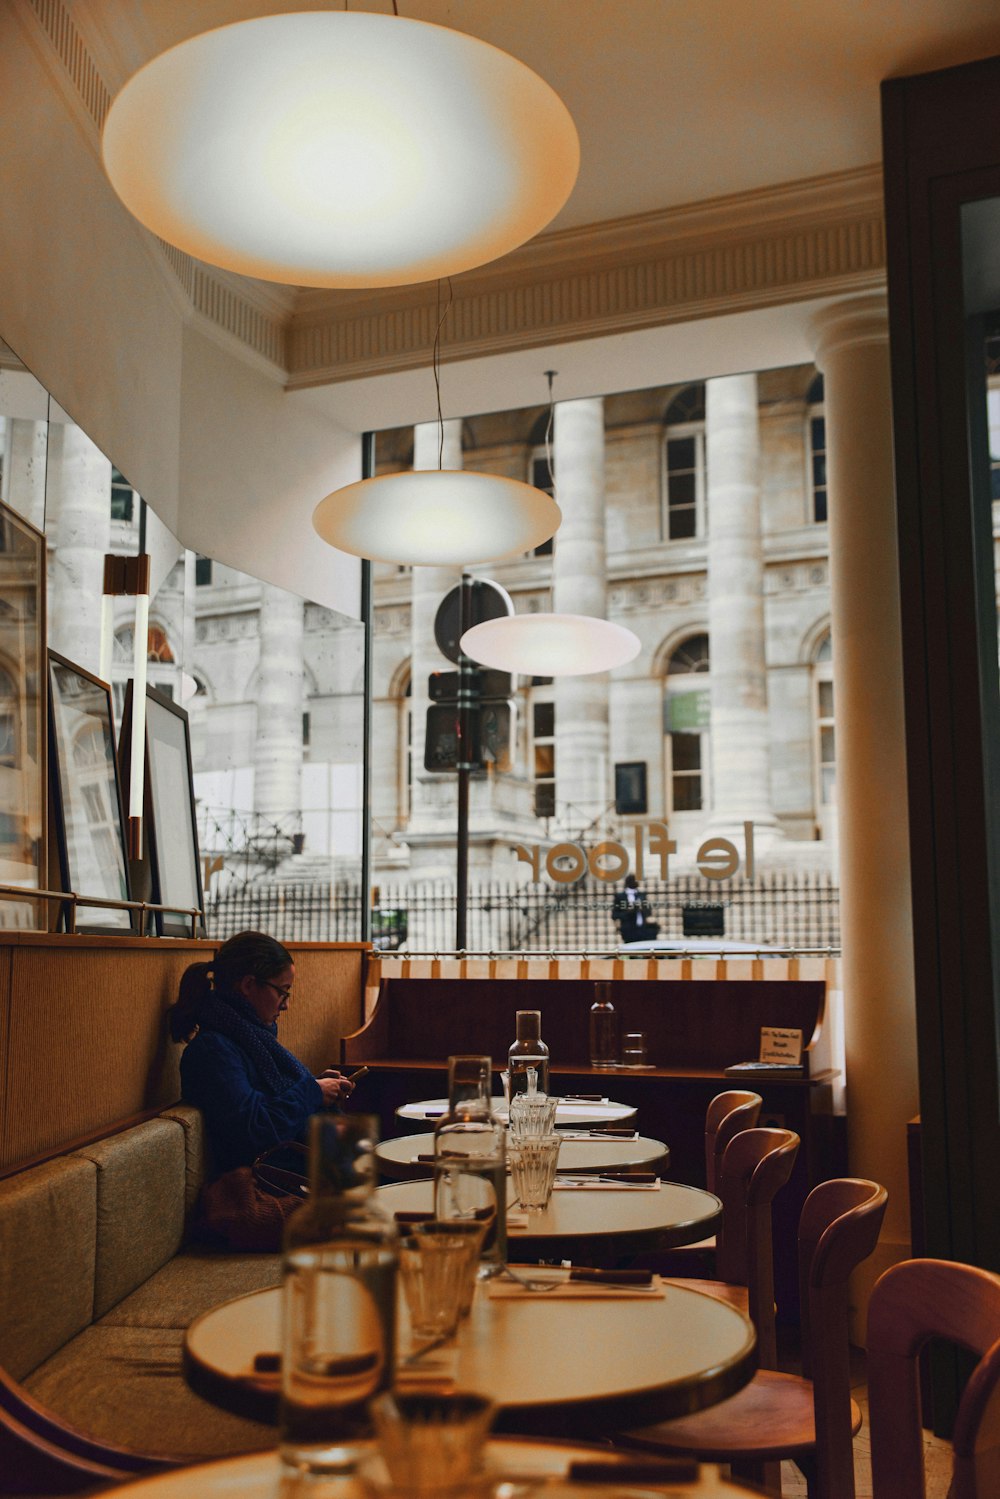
(184, 1017)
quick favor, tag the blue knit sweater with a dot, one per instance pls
(242, 1114)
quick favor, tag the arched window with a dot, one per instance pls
(163, 672)
(824, 744)
(686, 722)
(685, 500)
(816, 418)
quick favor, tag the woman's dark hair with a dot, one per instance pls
(247, 952)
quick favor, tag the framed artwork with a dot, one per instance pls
(170, 832)
(23, 740)
(87, 815)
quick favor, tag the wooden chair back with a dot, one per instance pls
(838, 1228)
(727, 1115)
(911, 1303)
(755, 1165)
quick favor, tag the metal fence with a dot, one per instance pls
(799, 910)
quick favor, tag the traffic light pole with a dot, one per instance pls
(466, 710)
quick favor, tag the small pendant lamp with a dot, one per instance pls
(340, 149)
(550, 645)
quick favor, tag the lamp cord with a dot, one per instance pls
(436, 364)
(550, 376)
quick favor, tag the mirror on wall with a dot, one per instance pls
(272, 684)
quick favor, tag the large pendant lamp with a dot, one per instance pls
(550, 645)
(340, 149)
(440, 517)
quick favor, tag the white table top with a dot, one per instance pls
(258, 1475)
(569, 1111)
(554, 1366)
(673, 1214)
(397, 1158)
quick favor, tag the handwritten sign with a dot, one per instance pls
(777, 1045)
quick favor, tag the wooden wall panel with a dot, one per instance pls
(84, 1035)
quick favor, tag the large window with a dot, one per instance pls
(686, 722)
(686, 502)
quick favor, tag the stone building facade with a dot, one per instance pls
(695, 515)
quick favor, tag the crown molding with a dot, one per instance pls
(796, 242)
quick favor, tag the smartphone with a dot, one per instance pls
(352, 1077)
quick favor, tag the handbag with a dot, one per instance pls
(246, 1209)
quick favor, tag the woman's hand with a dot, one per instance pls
(334, 1086)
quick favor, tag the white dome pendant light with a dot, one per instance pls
(437, 517)
(340, 149)
(550, 645)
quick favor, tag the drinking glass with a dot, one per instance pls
(532, 1116)
(431, 1441)
(533, 1170)
(433, 1265)
(634, 1049)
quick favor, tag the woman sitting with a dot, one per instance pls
(252, 1092)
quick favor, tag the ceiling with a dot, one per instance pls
(675, 103)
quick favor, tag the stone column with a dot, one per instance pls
(24, 469)
(79, 529)
(280, 700)
(579, 586)
(852, 350)
(741, 736)
(433, 805)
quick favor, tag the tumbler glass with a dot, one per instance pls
(533, 1170)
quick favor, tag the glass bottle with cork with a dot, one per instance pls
(528, 1050)
(470, 1166)
(338, 1302)
(603, 1028)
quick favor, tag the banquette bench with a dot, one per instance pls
(98, 1280)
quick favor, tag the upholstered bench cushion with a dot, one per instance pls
(124, 1385)
(47, 1235)
(192, 1283)
(140, 1206)
(197, 1156)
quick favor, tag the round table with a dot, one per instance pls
(589, 1219)
(400, 1160)
(258, 1475)
(554, 1366)
(569, 1112)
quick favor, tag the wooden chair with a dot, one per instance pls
(727, 1115)
(810, 1419)
(756, 1165)
(39, 1453)
(912, 1302)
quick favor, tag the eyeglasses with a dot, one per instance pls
(283, 992)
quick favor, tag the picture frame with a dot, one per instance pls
(24, 847)
(170, 830)
(87, 814)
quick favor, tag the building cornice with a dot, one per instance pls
(797, 242)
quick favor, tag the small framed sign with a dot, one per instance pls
(780, 1046)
